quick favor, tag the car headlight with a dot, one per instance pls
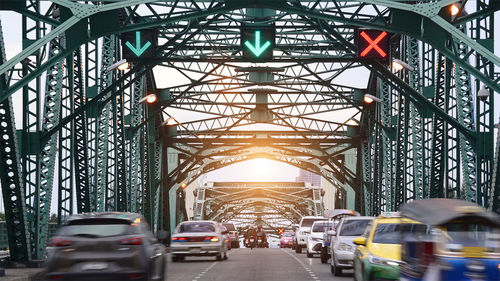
(346, 247)
(381, 261)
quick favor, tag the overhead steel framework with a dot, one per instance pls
(86, 141)
(272, 205)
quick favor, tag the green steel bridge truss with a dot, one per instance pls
(86, 139)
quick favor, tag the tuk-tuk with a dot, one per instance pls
(463, 244)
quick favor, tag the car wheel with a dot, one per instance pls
(324, 255)
(309, 255)
(298, 249)
(177, 258)
(337, 271)
(218, 257)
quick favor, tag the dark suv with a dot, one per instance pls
(106, 246)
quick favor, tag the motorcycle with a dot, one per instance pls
(261, 243)
(251, 242)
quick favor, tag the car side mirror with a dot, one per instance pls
(331, 232)
(359, 241)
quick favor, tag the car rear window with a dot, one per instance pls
(94, 228)
(320, 227)
(229, 226)
(197, 227)
(353, 227)
(309, 222)
(392, 233)
(288, 234)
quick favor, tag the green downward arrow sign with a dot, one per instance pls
(257, 50)
(137, 49)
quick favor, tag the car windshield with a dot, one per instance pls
(321, 227)
(93, 228)
(353, 227)
(197, 227)
(229, 226)
(309, 222)
(393, 233)
(288, 234)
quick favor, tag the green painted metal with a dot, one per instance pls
(430, 136)
(11, 176)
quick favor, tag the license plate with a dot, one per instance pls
(95, 266)
(251, 240)
(195, 250)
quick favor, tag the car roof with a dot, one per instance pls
(314, 217)
(439, 211)
(132, 217)
(350, 218)
(214, 222)
(395, 220)
(322, 222)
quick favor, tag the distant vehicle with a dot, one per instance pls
(233, 235)
(109, 245)
(315, 237)
(378, 255)
(226, 236)
(302, 231)
(286, 240)
(198, 238)
(342, 247)
(463, 244)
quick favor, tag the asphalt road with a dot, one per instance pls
(249, 265)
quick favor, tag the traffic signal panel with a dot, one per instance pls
(257, 42)
(373, 44)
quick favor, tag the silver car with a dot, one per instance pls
(342, 247)
(105, 246)
(199, 238)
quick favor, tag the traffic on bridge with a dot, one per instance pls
(249, 140)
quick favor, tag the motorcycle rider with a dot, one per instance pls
(250, 232)
(261, 233)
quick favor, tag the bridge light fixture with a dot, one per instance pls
(151, 98)
(183, 185)
(171, 122)
(455, 9)
(399, 65)
(121, 65)
(352, 122)
(368, 99)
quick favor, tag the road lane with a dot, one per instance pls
(249, 265)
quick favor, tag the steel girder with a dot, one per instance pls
(253, 201)
(200, 40)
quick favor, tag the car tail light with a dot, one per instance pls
(55, 277)
(179, 239)
(60, 242)
(131, 241)
(211, 239)
(134, 276)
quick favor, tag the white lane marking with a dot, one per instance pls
(210, 267)
(313, 275)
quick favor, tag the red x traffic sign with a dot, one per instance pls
(373, 44)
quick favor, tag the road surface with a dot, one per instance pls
(257, 264)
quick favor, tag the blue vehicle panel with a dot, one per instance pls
(467, 269)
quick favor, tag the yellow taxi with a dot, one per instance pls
(378, 253)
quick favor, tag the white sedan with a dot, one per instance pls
(199, 238)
